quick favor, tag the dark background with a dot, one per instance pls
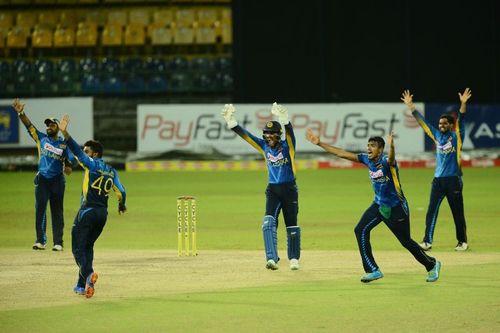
(353, 51)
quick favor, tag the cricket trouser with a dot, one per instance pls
(399, 224)
(88, 225)
(284, 197)
(451, 188)
(49, 189)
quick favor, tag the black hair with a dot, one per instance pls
(96, 147)
(449, 117)
(378, 140)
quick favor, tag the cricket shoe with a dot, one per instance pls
(57, 248)
(79, 290)
(272, 265)
(89, 286)
(434, 273)
(462, 246)
(425, 246)
(369, 277)
(39, 246)
(294, 264)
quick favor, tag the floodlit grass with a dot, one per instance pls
(145, 287)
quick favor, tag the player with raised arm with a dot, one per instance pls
(447, 182)
(98, 181)
(50, 184)
(281, 191)
(390, 205)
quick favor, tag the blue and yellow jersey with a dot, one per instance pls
(281, 160)
(448, 145)
(385, 180)
(99, 179)
(51, 153)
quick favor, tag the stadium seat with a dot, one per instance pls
(42, 78)
(205, 35)
(180, 82)
(26, 20)
(161, 36)
(202, 64)
(135, 34)
(112, 35)
(155, 66)
(179, 64)
(157, 84)
(41, 37)
(64, 37)
(164, 17)
(133, 65)
(6, 20)
(224, 81)
(223, 64)
(65, 75)
(110, 67)
(88, 66)
(68, 19)
(203, 82)
(117, 17)
(90, 84)
(48, 18)
(17, 38)
(207, 16)
(140, 16)
(67, 2)
(183, 35)
(86, 35)
(135, 84)
(112, 85)
(185, 17)
(22, 76)
(3, 37)
(5, 74)
(226, 33)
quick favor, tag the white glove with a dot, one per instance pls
(281, 112)
(228, 114)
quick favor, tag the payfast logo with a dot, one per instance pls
(211, 127)
(351, 125)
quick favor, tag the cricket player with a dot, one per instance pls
(447, 180)
(98, 181)
(390, 205)
(281, 191)
(53, 160)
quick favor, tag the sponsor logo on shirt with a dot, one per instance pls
(447, 148)
(52, 149)
(378, 176)
(273, 158)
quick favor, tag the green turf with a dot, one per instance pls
(230, 210)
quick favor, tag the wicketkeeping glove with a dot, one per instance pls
(228, 114)
(281, 112)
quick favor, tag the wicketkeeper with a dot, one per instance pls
(281, 191)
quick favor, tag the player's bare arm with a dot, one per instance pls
(19, 108)
(463, 99)
(407, 98)
(314, 139)
(392, 150)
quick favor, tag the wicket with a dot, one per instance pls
(186, 226)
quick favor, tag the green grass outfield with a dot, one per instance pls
(144, 287)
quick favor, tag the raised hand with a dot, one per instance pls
(63, 125)
(311, 137)
(18, 106)
(281, 112)
(407, 98)
(465, 96)
(228, 113)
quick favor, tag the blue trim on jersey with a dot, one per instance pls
(281, 160)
